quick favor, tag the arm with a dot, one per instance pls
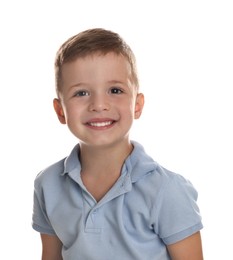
(189, 248)
(51, 247)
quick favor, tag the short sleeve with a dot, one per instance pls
(40, 221)
(176, 210)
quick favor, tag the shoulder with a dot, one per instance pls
(171, 178)
(52, 174)
(163, 187)
(144, 167)
(174, 187)
(143, 164)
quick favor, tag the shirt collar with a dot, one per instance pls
(137, 164)
(72, 161)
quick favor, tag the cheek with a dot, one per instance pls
(71, 113)
(127, 110)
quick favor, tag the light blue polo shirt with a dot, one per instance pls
(148, 208)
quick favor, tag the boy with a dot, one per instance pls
(108, 199)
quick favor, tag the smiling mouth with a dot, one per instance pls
(100, 124)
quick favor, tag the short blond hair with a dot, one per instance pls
(90, 42)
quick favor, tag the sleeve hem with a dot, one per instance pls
(183, 234)
(43, 230)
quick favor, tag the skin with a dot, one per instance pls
(99, 102)
(51, 247)
(187, 249)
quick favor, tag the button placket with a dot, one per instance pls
(92, 225)
(94, 222)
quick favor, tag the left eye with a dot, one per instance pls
(116, 91)
(81, 93)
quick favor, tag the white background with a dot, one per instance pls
(184, 51)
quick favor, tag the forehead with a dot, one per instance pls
(96, 65)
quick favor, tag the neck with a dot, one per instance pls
(103, 160)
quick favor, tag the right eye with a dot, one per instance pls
(81, 93)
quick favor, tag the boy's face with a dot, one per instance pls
(98, 100)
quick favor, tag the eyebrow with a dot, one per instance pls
(81, 84)
(116, 82)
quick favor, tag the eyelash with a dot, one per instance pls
(81, 93)
(116, 90)
(113, 90)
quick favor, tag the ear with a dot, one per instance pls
(59, 110)
(139, 104)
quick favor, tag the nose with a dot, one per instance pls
(99, 103)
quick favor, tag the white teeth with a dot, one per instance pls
(100, 124)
